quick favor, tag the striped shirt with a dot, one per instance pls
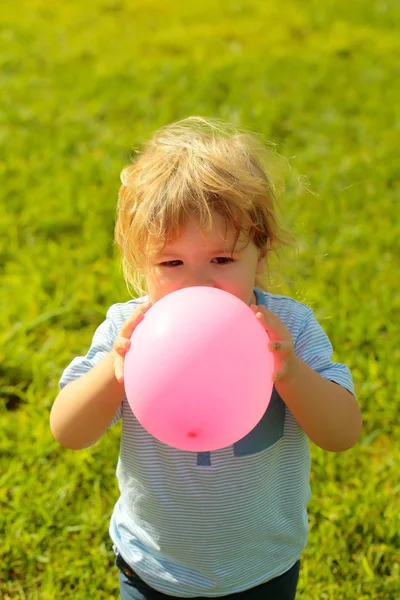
(215, 523)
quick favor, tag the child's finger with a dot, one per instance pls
(272, 320)
(121, 345)
(280, 347)
(271, 323)
(119, 369)
(268, 314)
(122, 342)
(128, 327)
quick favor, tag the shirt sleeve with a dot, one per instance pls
(314, 348)
(102, 343)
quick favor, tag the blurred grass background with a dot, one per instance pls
(81, 84)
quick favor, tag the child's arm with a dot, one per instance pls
(85, 407)
(327, 412)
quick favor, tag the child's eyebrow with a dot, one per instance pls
(169, 253)
(223, 251)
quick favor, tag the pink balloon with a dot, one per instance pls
(198, 374)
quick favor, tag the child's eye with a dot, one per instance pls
(223, 260)
(219, 260)
(171, 263)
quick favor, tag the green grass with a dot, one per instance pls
(80, 85)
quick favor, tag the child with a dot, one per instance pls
(197, 207)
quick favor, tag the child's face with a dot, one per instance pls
(204, 259)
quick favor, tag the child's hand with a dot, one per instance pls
(281, 342)
(122, 341)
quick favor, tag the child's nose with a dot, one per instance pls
(198, 278)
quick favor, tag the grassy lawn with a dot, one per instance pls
(81, 84)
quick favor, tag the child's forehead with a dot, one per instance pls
(217, 239)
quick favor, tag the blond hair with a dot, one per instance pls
(199, 167)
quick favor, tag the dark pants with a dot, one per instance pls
(279, 588)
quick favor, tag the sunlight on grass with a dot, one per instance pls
(84, 83)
